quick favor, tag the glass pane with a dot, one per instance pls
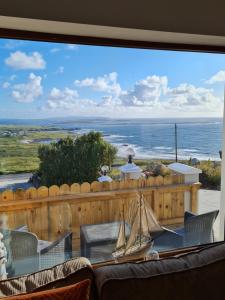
(107, 153)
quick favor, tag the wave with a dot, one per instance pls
(162, 148)
(142, 153)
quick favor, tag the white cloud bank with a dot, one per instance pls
(106, 83)
(28, 92)
(22, 61)
(149, 97)
(218, 77)
(66, 99)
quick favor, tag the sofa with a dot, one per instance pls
(194, 275)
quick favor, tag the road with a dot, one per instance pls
(15, 181)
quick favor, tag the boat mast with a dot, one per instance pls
(175, 141)
(124, 230)
(147, 220)
(140, 199)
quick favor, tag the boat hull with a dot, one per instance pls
(135, 255)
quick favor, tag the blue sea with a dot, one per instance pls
(150, 138)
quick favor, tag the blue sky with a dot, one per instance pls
(39, 80)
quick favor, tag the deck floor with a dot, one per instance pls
(209, 200)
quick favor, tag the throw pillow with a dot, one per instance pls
(78, 291)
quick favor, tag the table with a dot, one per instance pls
(104, 234)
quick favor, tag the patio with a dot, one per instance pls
(209, 200)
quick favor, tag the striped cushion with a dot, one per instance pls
(65, 274)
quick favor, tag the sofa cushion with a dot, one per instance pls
(67, 273)
(197, 275)
(78, 291)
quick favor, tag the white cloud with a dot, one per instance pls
(60, 70)
(149, 97)
(218, 77)
(54, 50)
(66, 100)
(188, 96)
(107, 83)
(72, 47)
(5, 85)
(28, 92)
(22, 61)
(146, 92)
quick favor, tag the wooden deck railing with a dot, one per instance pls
(50, 211)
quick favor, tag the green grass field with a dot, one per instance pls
(17, 156)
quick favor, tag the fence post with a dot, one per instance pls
(194, 197)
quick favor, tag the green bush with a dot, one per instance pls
(156, 168)
(78, 160)
(211, 175)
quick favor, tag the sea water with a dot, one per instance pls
(150, 138)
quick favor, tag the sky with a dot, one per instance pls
(42, 80)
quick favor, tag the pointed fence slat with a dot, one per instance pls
(19, 194)
(151, 181)
(85, 187)
(167, 180)
(42, 192)
(54, 191)
(122, 185)
(106, 186)
(96, 186)
(159, 180)
(7, 195)
(115, 185)
(75, 188)
(64, 189)
(31, 193)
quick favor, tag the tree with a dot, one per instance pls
(78, 160)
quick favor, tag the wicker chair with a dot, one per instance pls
(27, 254)
(198, 229)
(22, 251)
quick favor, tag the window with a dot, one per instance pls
(111, 153)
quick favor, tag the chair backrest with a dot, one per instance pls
(199, 229)
(23, 244)
(22, 248)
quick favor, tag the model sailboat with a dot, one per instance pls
(138, 242)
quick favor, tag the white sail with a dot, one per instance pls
(153, 224)
(134, 231)
(121, 242)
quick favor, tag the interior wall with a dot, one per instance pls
(195, 17)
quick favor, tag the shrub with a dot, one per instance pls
(211, 175)
(156, 169)
(78, 160)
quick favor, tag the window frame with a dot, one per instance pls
(126, 43)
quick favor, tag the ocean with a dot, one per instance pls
(150, 138)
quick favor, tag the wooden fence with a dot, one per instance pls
(48, 212)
